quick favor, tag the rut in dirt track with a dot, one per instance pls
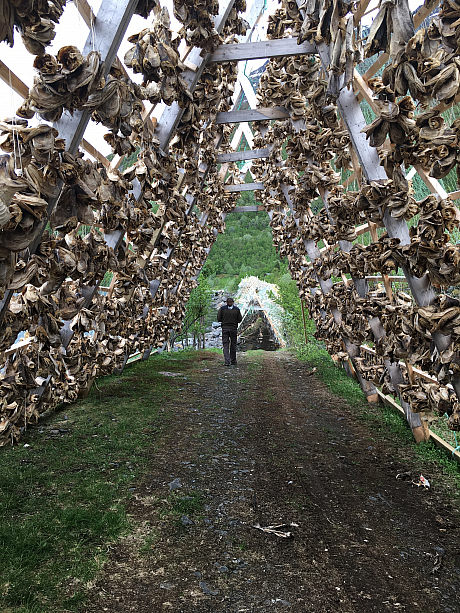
(265, 443)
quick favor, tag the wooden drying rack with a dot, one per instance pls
(109, 27)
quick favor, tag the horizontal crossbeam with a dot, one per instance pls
(389, 277)
(249, 208)
(235, 156)
(282, 47)
(276, 112)
(243, 187)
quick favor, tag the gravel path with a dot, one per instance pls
(265, 444)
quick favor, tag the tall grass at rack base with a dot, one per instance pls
(305, 346)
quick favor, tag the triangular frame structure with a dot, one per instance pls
(109, 28)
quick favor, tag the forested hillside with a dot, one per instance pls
(245, 249)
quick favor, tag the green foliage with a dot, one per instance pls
(197, 309)
(288, 298)
(183, 503)
(127, 162)
(246, 248)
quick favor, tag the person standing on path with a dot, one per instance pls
(230, 316)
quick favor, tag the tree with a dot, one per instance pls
(197, 309)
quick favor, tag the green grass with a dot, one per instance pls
(183, 503)
(63, 499)
(335, 378)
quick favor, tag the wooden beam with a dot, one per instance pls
(359, 231)
(261, 114)
(360, 11)
(442, 444)
(107, 34)
(13, 81)
(419, 431)
(350, 179)
(86, 12)
(433, 184)
(390, 278)
(362, 229)
(442, 106)
(367, 94)
(376, 66)
(282, 47)
(89, 18)
(352, 116)
(247, 209)
(95, 153)
(235, 156)
(243, 187)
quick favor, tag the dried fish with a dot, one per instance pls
(63, 82)
(35, 21)
(10, 183)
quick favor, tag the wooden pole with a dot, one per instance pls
(304, 321)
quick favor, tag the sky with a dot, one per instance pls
(72, 30)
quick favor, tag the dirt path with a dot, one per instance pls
(265, 443)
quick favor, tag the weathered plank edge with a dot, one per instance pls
(437, 440)
(261, 114)
(281, 47)
(244, 187)
(235, 156)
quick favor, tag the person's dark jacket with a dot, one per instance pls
(230, 318)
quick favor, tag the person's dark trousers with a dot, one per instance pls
(229, 344)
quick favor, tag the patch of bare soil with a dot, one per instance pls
(265, 444)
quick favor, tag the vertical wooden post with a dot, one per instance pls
(422, 432)
(304, 321)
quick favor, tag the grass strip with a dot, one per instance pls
(385, 422)
(64, 490)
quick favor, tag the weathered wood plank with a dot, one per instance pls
(88, 147)
(282, 47)
(247, 209)
(86, 12)
(235, 156)
(360, 11)
(276, 112)
(421, 289)
(390, 278)
(244, 187)
(106, 35)
(13, 81)
(433, 184)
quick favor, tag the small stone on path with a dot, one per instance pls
(208, 590)
(175, 484)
